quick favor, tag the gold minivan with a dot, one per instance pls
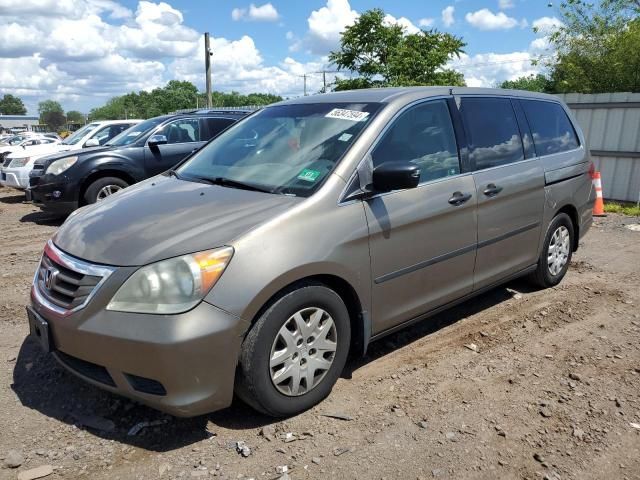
(302, 233)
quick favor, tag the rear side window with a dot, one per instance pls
(551, 128)
(185, 130)
(492, 131)
(422, 135)
(213, 126)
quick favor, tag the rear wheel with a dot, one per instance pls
(556, 253)
(295, 352)
(103, 188)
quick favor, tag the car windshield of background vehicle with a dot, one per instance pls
(286, 149)
(15, 140)
(132, 134)
(76, 136)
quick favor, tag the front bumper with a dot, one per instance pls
(15, 177)
(56, 196)
(181, 364)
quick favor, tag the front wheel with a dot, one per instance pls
(295, 352)
(103, 188)
(556, 252)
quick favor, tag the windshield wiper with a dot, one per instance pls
(227, 182)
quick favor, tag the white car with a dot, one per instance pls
(20, 143)
(15, 167)
(94, 134)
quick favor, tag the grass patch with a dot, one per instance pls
(623, 208)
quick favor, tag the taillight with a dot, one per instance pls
(592, 169)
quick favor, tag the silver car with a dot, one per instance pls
(303, 233)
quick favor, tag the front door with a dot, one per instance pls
(422, 240)
(509, 188)
(183, 137)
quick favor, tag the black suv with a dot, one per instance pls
(62, 182)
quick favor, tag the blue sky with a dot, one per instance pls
(95, 49)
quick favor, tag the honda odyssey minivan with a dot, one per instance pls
(304, 232)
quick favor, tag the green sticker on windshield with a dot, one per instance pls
(308, 175)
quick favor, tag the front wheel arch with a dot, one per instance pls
(101, 174)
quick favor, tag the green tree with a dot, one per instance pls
(176, 95)
(74, 116)
(51, 114)
(533, 83)
(12, 105)
(597, 47)
(384, 54)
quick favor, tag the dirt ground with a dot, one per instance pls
(553, 390)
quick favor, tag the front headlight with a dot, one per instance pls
(19, 162)
(172, 286)
(59, 166)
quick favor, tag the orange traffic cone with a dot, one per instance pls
(598, 206)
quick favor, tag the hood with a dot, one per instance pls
(33, 150)
(165, 217)
(81, 154)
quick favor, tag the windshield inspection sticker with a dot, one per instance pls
(308, 175)
(342, 114)
(345, 137)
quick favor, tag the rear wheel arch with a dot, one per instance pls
(572, 212)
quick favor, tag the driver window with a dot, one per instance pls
(422, 135)
(181, 131)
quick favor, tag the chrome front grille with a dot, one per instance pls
(65, 284)
(62, 286)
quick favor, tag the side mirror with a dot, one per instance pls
(92, 142)
(395, 176)
(156, 140)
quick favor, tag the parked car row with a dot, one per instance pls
(296, 236)
(104, 157)
(18, 156)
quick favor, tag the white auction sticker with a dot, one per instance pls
(343, 114)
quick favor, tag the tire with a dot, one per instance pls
(546, 274)
(94, 191)
(254, 383)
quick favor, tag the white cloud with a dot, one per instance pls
(447, 16)
(426, 22)
(404, 22)
(505, 4)
(326, 24)
(262, 13)
(546, 25)
(485, 19)
(490, 69)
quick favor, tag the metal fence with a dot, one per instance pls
(611, 124)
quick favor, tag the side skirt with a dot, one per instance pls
(453, 303)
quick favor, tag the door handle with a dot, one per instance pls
(458, 198)
(492, 190)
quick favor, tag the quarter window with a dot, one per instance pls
(492, 131)
(213, 126)
(181, 131)
(551, 129)
(422, 135)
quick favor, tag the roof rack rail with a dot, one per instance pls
(240, 110)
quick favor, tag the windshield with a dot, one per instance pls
(76, 136)
(287, 149)
(15, 140)
(132, 134)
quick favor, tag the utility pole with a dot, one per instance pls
(207, 64)
(324, 78)
(305, 83)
